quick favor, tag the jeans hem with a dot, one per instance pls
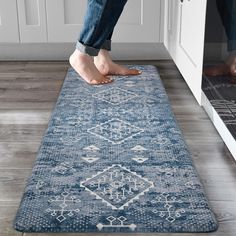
(107, 45)
(87, 49)
(231, 45)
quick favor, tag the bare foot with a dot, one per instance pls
(218, 70)
(106, 66)
(83, 64)
(227, 68)
(232, 64)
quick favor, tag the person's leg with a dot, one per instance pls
(106, 66)
(100, 20)
(99, 23)
(228, 16)
(227, 12)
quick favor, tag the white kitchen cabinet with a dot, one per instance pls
(184, 39)
(184, 31)
(55, 26)
(32, 21)
(140, 21)
(8, 22)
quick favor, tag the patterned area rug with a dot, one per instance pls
(113, 160)
(221, 92)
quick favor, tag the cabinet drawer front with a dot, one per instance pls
(8, 22)
(140, 21)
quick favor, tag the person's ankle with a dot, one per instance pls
(231, 59)
(78, 56)
(103, 56)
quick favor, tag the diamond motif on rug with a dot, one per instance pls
(138, 148)
(117, 186)
(115, 131)
(90, 159)
(115, 96)
(139, 159)
(92, 148)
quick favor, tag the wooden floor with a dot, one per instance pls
(28, 92)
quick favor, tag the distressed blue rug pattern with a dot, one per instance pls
(113, 159)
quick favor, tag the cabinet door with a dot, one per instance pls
(8, 22)
(65, 19)
(184, 39)
(32, 21)
(171, 25)
(140, 21)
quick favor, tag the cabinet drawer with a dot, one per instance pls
(140, 21)
(8, 22)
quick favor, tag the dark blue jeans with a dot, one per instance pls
(227, 11)
(99, 22)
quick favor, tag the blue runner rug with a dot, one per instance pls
(113, 159)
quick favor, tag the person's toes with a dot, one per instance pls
(134, 72)
(233, 71)
(124, 71)
(109, 80)
(102, 81)
(106, 82)
(221, 69)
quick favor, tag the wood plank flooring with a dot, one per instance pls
(28, 92)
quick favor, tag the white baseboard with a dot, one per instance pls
(227, 137)
(62, 51)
